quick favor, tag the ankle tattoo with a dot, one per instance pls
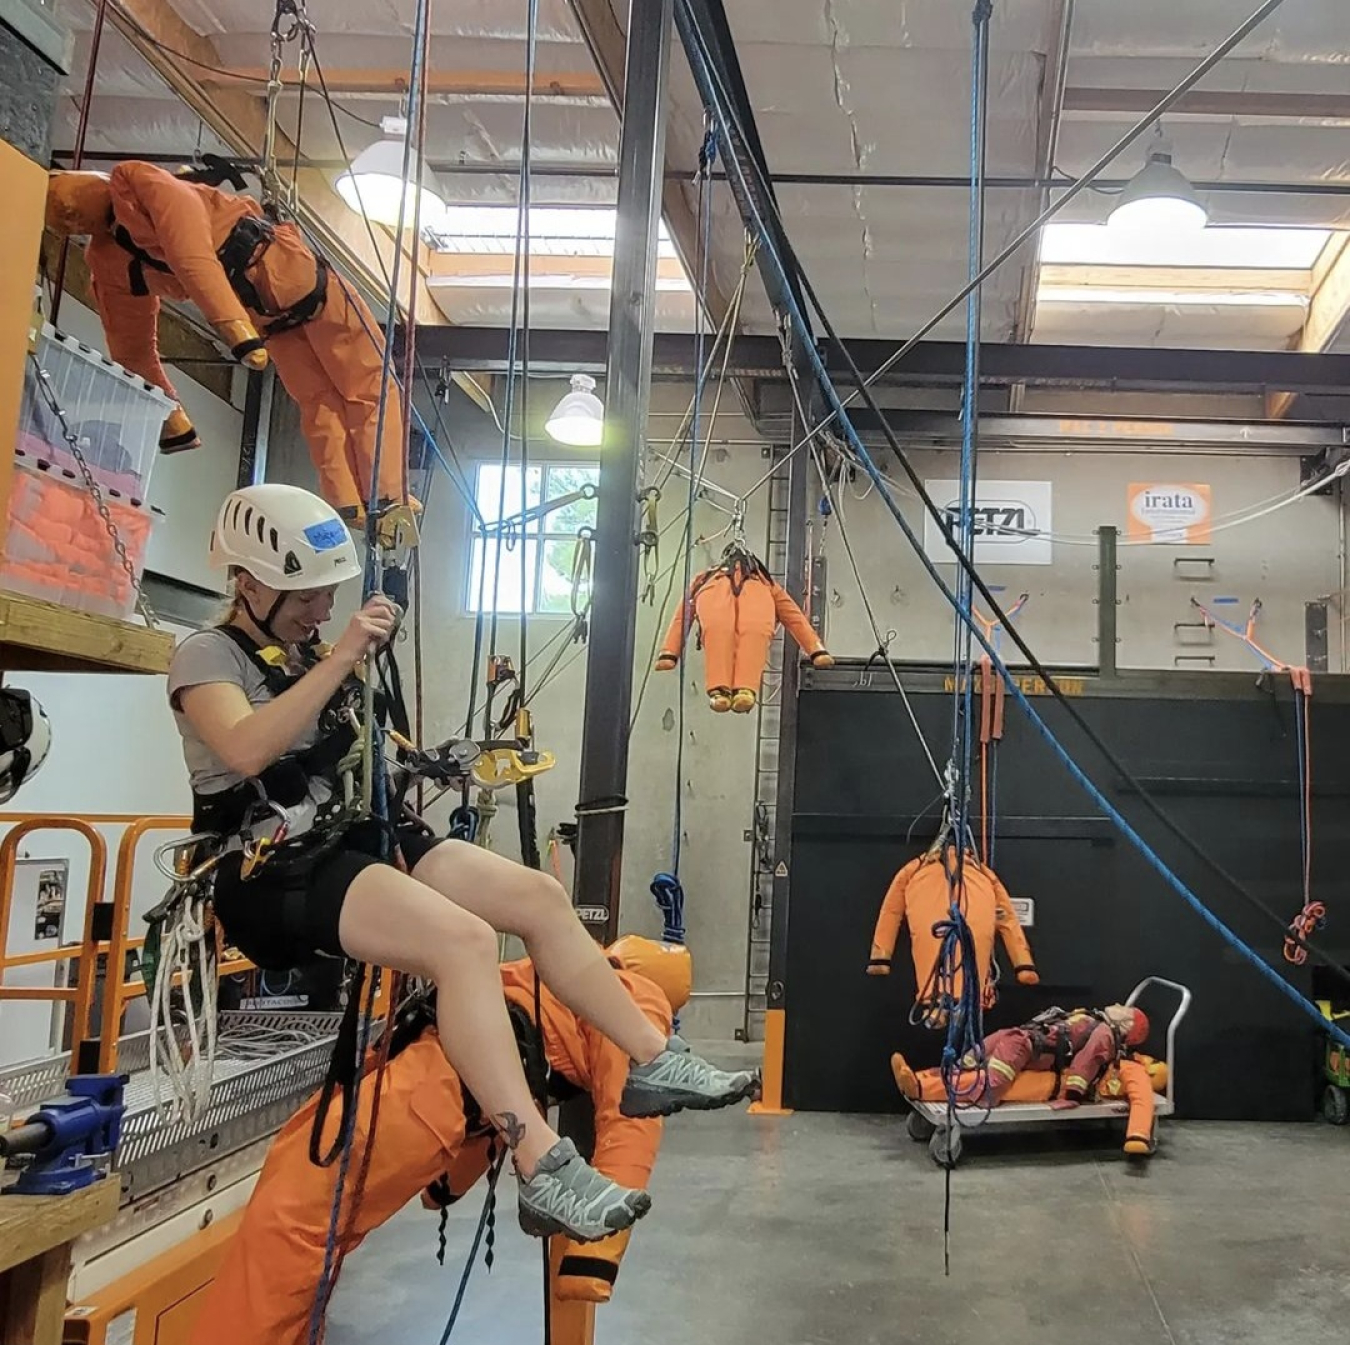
(512, 1128)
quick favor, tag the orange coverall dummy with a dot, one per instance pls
(265, 1287)
(921, 894)
(152, 235)
(1068, 1057)
(737, 607)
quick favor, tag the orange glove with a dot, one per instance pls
(666, 662)
(244, 342)
(178, 433)
(822, 658)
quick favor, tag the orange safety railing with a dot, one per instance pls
(107, 930)
(86, 952)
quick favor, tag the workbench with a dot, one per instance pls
(36, 1233)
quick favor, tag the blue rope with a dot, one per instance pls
(793, 311)
(962, 1009)
(669, 894)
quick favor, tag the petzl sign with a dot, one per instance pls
(1170, 513)
(1012, 522)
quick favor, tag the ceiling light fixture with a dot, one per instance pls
(374, 184)
(1159, 199)
(579, 418)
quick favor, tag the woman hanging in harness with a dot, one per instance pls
(267, 725)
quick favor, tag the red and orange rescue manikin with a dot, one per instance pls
(156, 235)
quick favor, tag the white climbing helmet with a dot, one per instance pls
(25, 739)
(285, 537)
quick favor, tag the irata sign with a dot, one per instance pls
(1180, 514)
(1011, 518)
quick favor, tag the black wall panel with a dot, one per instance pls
(1225, 768)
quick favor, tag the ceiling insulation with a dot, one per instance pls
(844, 88)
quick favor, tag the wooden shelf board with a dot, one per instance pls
(32, 1225)
(44, 637)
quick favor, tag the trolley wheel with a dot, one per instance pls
(945, 1147)
(1336, 1105)
(919, 1128)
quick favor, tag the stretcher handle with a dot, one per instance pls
(1183, 1007)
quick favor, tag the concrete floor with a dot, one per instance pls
(818, 1229)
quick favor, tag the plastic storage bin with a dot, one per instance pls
(115, 415)
(58, 549)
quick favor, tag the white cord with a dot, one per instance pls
(185, 932)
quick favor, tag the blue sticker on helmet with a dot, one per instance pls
(327, 535)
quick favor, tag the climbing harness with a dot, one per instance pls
(1313, 916)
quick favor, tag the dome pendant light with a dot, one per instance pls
(579, 418)
(374, 184)
(1159, 199)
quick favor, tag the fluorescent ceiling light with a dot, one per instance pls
(1274, 249)
(374, 184)
(560, 231)
(1159, 199)
(579, 418)
(1096, 294)
(541, 281)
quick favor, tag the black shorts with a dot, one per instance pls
(287, 920)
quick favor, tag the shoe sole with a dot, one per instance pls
(694, 1102)
(545, 1226)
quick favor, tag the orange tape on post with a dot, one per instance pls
(775, 1039)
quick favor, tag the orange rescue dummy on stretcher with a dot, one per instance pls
(1063, 1057)
(156, 235)
(737, 607)
(921, 893)
(431, 1138)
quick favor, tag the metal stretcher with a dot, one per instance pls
(929, 1121)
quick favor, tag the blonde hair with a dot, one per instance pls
(234, 603)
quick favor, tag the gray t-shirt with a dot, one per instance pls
(210, 656)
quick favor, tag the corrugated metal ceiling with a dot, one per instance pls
(839, 87)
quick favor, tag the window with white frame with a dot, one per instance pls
(528, 566)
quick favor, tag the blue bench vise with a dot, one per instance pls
(66, 1135)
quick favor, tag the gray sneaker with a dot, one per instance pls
(568, 1196)
(678, 1080)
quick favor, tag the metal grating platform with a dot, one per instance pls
(266, 1064)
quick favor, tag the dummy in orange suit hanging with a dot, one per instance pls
(921, 894)
(737, 608)
(153, 234)
(425, 1142)
(1066, 1057)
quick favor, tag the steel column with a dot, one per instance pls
(609, 661)
(775, 997)
(1108, 574)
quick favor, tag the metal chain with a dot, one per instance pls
(45, 383)
(282, 35)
